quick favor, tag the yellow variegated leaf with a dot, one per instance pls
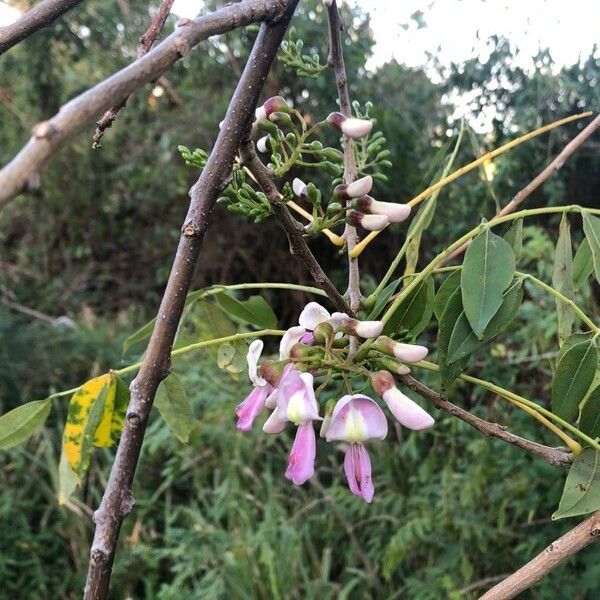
(103, 435)
(84, 418)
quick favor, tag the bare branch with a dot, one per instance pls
(336, 60)
(146, 42)
(292, 228)
(542, 176)
(555, 456)
(23, 172)
(554, 555)
(40, 16)
(117, 500)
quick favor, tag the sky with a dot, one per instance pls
(457, 29)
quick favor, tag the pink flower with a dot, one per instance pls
(251, 407)
(356, 419)
(301, 463)
(314, 314)
(406, 411)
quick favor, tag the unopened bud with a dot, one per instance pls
(410, 353)
(272, 371)
(396, 213)
(261, 144)
(363, 329)
(274, 104)
(323, 332)
(299, 188)
(349, 126)
(356, 189)
(369, 222)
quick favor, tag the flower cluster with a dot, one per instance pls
(314, 349)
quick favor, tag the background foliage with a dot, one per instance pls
(215, 518)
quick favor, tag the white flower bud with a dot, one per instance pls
(360, 187)
(260, 114)
(369, 222)
(396, 213)
(299, 187)
(261, 144)
(368, 329)
(356, 128)
(410, 353)
(406, 411)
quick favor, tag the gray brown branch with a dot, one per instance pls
(293, 230)
(336, 60)
(542, 176)
(23, 172)
(146, 42)
(554, 555)
(555, 456)
(40, 16)
(117, 500)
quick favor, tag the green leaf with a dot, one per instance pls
(449, 371)
(67, 480)
(254, 310)
(562, 280)
(574, 374)
(448, 287)
(173, 404)
(383, 298)
(514, 237)
(487, 271)
(572, 340)
(589, 422)
(427, 313)
(122, 397)
(410, 312)
(463, 340)
(581, 494)
(232, 357)
(583, 264)
(591, 227)
(22, 422)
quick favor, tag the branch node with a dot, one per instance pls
(99, 556)
(134, 419)
(127, 503)
(190, 229)
(42, 130)
(184, 22)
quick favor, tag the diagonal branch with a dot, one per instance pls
(553, 556)
(292, 228)
(146, 42)
(117, 500)
(542, 176)
(23, 172)
(555, 456)
(336, 60)
(40, 16)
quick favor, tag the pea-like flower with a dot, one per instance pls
(368, 222)
(251, 407)
(395, 212)
(271, 105)
(355, 419)
(356, 189)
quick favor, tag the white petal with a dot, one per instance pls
(360, 187)
(261, 145)
(260, 113)
(291, 337)
(299, 187)
(254, 351)
(396, 213)
(369, 329)
(274, 424)
(374, 222)
(406, 411)
(410, 353)
(313, 314)
(356, 128)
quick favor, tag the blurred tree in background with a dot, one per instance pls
(452, 508)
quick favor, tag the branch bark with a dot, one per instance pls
(293, 230)
(554, 555)
(542, 176)
(40, 16)
(146, 42)
(555, 456)
(117, 500)
(336, 60)
(23, 172)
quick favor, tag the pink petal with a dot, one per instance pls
(410, 353)
(296, 400)
(357, 466)
(274, 424)
(251, 407)
(407, 412)
(301, 464)
(312, 315)
(357, 418)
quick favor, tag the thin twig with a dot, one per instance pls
(40, 16)
(293, 230)
(146, 42)
(23, 172)
(336, 60)
(542, 176)
(117, 500)
(555, 456)
(554, 555)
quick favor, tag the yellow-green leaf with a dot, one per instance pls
(67, 480)
(562, 280)
(22, 422)
(173, 404)
(84, 418)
